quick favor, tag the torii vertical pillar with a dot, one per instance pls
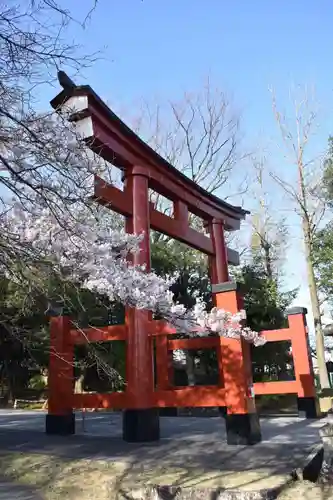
(242, 421)
(140, 420)
(307, 401)
(60, 418)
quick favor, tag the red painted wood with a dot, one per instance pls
(235, 361)
(278, 387)
(197, 397)
(61, 367)
(175, 229)
(118, 201)
(169, 186)
(219, 264)
(160, 327)
(101, 334)
(195, 343)
(301, 355)
(136, 191)
(122, 147)
(112, 197)
(181, 214)
(162, 362)
(218, 272)
(277, 335)
(297, 334)
(114, 400)
(145, 169)
(139, 359)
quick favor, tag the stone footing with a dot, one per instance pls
(308, 407)
(243, 429)
(141, 425)
(61, 425)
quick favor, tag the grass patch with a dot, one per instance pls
(56, 478)
(30, 406)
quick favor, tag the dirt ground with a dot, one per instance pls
(192, 455)
(305, 490)
(55, 478)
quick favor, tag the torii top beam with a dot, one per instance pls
(113, 140)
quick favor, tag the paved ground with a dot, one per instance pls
(195, 447)
(9, 491)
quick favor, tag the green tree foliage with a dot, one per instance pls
(328, 173)
(169, 257)
(23, 339)
(323, 261)
(264, 302)
(24, 334)
(323, 239)
(265, 306)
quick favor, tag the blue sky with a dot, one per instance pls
(160, 48)
(163, 47)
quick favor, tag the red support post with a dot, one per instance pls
(242, 421)
(162, 362)
(218, 270)
(219, 263)
(140, 421)
(60, 419)
(306, 393)
(164, 369)
(181, 215)
(233, 356)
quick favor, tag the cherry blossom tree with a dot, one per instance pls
(49, 226)
(80, 244)
(38, 168)
(52, 221)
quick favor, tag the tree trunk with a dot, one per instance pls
(320, 346)
(190, 369)
(10, 385)
(315, 305)
(78, 388)
(268, 259)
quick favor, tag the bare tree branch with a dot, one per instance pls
(199, 135)
(302, 193)
(43, 166)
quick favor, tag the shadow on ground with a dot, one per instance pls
(192, 452)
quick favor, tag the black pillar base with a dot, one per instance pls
(61, 425)
(308, 407)
(223, 411)
(243, 429)
(140, 426)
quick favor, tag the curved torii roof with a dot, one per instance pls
(117, 143)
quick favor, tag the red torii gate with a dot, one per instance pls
(143, 168)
